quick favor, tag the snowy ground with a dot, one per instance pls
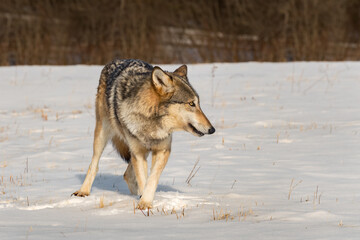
(284, 162)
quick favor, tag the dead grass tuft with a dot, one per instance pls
(3, 164)
(102, 202)
(241, 215)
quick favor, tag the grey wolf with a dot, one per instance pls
(138, 107)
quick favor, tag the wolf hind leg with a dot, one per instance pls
(138, 165)
(130, 178)
(129, 175)
(101, 137)
(137, 173)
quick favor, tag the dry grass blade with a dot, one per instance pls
(233, 184)
(101, 204)
(143, 212)
(292, 187)
(192, 173)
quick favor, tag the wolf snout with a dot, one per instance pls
(211, 130)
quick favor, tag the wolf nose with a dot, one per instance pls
(211, 130)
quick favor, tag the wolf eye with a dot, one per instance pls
(192, 104)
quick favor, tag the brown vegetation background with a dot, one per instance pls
(174, 31)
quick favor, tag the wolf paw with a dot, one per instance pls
(144, 205)
(80, 194)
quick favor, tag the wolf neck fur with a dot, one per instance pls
(147, 115)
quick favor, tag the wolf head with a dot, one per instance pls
(180, 101)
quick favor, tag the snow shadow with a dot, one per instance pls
(111, 182)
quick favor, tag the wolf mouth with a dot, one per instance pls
(195, 130)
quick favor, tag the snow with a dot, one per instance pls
(283, 163)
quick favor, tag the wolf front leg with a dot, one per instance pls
(101, 137)
(159, 160)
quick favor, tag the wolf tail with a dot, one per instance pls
(122, 148)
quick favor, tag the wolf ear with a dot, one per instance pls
(181, 71)
(163, 83)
